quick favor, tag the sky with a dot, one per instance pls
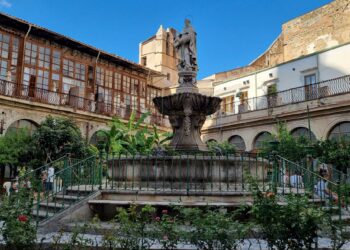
(230, 33)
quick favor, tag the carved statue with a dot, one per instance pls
(185, 44)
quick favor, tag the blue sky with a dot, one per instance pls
(230, 33)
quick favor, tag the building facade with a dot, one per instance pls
(302, 79)
(44, 73)
(158, 53)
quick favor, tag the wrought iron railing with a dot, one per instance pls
(80, 103)
(310, 92)
(66, 187)
(190, 174)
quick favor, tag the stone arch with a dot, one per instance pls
(339, 131)
(94, 130)
(238, 142)
(95, 138)
(302, 131)
(331, 125)
(22, 123)
(259, 138)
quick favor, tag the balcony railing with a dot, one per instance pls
(310, 92)
(45, 96)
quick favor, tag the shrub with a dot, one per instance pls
(18, 230)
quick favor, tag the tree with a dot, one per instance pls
(57, 136)
(334, 152)
(289, 147)
(16, 148)
(221, 148)
(132, 137)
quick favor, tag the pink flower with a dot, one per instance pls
(22, 218)
(157, 218)
(164, 211)
(165, 237)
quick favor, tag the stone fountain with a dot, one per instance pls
(187, 109)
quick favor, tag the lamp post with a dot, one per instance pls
(2, 122)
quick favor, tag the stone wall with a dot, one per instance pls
(317, 30)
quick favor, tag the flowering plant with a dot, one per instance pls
(18, 230)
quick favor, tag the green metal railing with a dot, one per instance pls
(30, 176)
(195, 173)
(318, 187)
(192, 174)
(66, 187)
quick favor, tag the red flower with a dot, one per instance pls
(22, 218)
(164, 211)
(157, 218)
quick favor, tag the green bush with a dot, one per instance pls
(18, 230)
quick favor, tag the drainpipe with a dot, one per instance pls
(20, 79)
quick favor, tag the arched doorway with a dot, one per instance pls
(260, 139)
(238, 142)
(340, 131)
(303, 132)
(29, 125)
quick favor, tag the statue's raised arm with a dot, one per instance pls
(185, 44)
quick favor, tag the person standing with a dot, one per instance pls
(50, 177)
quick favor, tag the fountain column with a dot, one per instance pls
(187, 109)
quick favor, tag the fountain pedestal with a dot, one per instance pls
(187, 112)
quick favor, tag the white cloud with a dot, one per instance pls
(5, 3)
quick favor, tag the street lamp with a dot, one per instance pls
(2, 122)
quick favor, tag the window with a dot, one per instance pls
(228, 104)
(42, 81)
(339, 132)
(68, 68)
(238, 142)
(109, 79)
(8, 57)
(14, 59)
(260, 139)
(28, 72)
(4, 46)
(142, 88)
(80, 71)
(126, 84)
(303, 132)
(311, 91)
(3, 70)
(134, 86)
(44, 57)
(22, 124)
(168, 76)
(118, 81)
(56, 60)
(30, 54)
(152, 93)
(144, 61)
(167, 45)
(310, 79)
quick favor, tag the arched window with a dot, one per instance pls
(238, 142)
(97, 138)
(341, 131)
(260, 139)
(31, 126)
(303, 132)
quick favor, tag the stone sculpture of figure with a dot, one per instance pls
(185, 44)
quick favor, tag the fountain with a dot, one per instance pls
(190, 171)
(187, 109)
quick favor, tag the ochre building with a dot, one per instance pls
(45, 73)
